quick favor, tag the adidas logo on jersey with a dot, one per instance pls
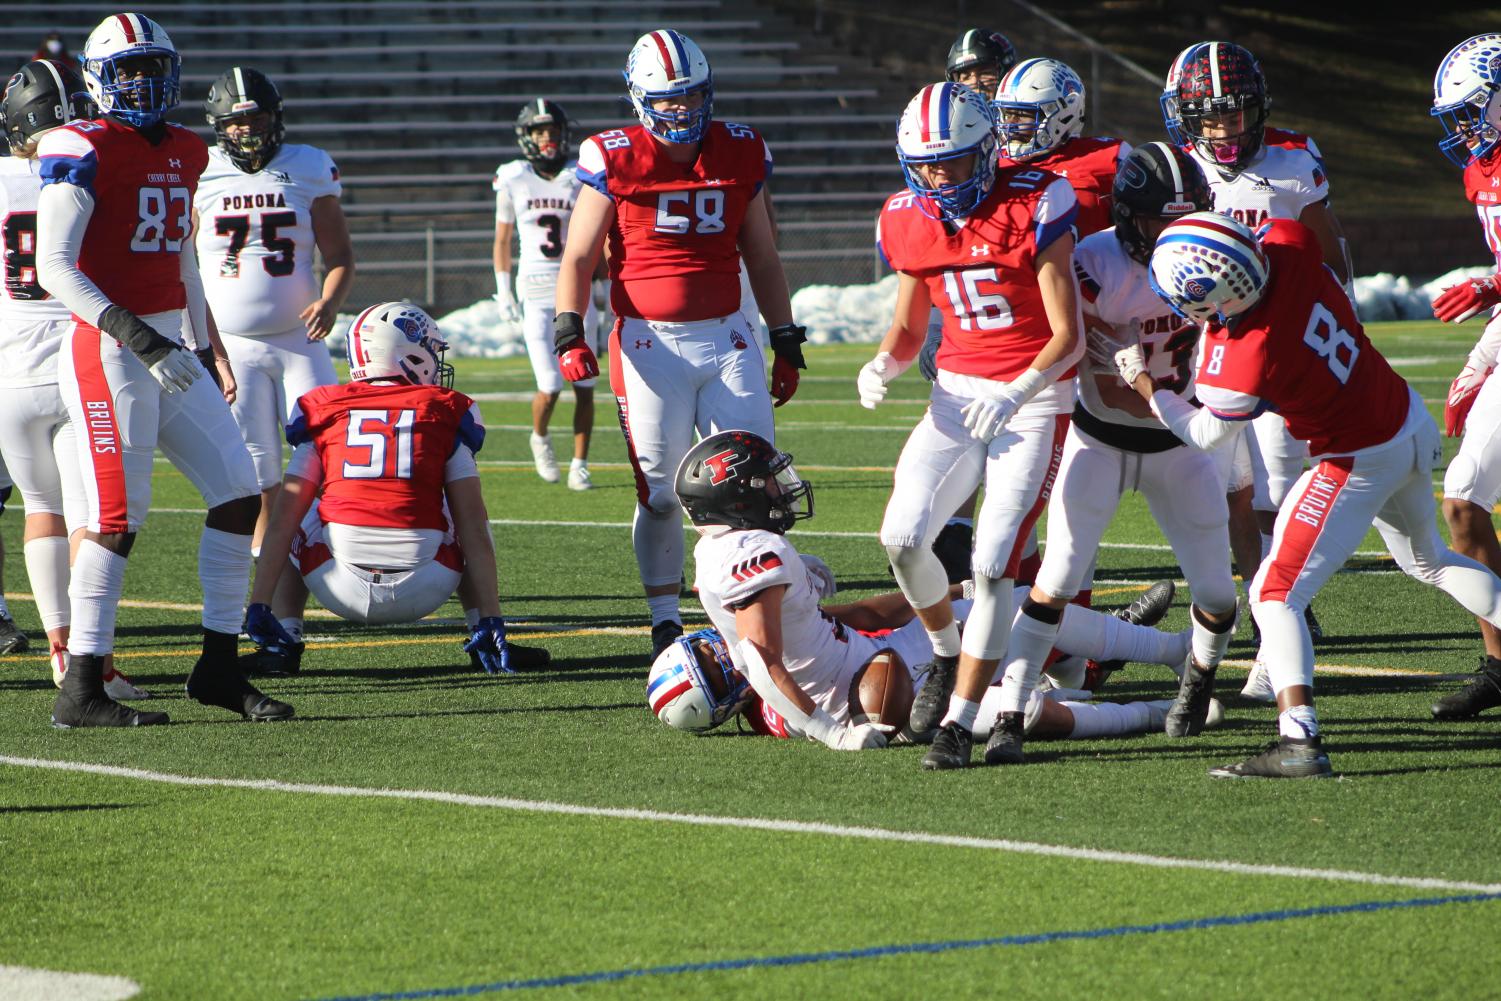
(256, 201)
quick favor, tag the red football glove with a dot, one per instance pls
(1462, 393)
(1460, 302)
(783, 381)
(577, 361)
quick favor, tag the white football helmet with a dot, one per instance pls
(397, 340)
(666, 63)
(132, 69)
(1464, 99)
(1208, 267)
(1039, 107)
(947, 121)
(693, 684)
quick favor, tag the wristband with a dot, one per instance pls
(503, 284)
(566, 328)
(787, 344)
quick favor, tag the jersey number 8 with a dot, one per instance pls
(1327, 337)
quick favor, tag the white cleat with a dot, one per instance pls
(1258, 685)
(542, 455)
(120, 688)
(59, 661)
(578, 478)
(1216, 715)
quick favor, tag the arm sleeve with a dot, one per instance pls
(63, 213)
(327, 180)
(461, 465)
(504, 211)
(1054, 215)
(1202, 428)
(196, 330)
(471, 431)
(591, 168)
(305, 464)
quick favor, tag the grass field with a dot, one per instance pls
(544, 833)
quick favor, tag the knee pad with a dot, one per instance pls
(919, 574)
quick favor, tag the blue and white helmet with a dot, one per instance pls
(1208, 267)
(1464, 99)
(693, 684)
(397, 340)
(666, 63)
(1039, 107)
(946, 121)
(132, 69)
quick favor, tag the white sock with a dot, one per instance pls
(471, 618)
(945, 641)
(987, 631)
(658, 542)
(961, 711)
(1109, 719)
(1209, 646)
(47, 568)
(970, 522)
(664, 608)
(1031, 639)
(1299, 721)
(94, 593)
(1097, 635)
(255, 552)
(293, 626)
(578, 463)
(224, 573)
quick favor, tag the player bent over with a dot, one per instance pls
(763, 599)
(1279, 332)
(1465, 99)
(680, 199)
(113, 221)
(380, 514)
(992, 248)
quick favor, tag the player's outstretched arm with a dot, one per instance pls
(331, 234)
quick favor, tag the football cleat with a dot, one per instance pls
(1285, 758)
(932, 699)
(1191, 708)
(73, 711)
(952, 748)
(1482, 692)
(1005, 744)
(1147, 610)
(12, 640)
(229, 690)
(1315, 631)
(522, 658)
(119, 686)
(953, 546)
(1258, 687)
(544, 459)
(579, 478)
(274, 662)
(663, 635)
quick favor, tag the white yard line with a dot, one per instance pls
(760, 824)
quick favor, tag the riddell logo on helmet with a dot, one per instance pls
(1196, 289)
(239, 106)
(721, 465)
(1180, 207)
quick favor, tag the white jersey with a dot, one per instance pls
(1280, 183)
(820, 653)
(539, 209)
(1115, 288)
(32, 322)
(255, 238)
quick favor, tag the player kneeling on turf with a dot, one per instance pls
(380, 513)
(763, 598)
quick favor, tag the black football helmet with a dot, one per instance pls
(536, 113)
(43, 95)
(244, 91)
(980, 47)
(1217, 78)
(740, 479)
(1155, 181)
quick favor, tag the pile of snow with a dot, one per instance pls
(836, 314)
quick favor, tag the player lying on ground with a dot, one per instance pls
(763, 598)
(1279, 332)
(380, 514)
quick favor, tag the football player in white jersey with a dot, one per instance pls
(763, 598)
(1215, 105)
(534, 199)
(1114, 439)
(35, 435)
(262, 207)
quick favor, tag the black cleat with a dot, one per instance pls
(932, 699)
(1481, 693)
(952, 546)
(1147, 610)
(951, 749)
(1315, 631)
(663, 635)
(1285, 758)
(1191, 708)
(229, 690)
(1005, 744)
(12, 640)
(269, 662)
(72, 710)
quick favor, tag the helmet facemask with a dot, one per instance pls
(1472, 128)
(250, 140)
(682, 125)
(955, 199)
(1237, 124)
(137, 87)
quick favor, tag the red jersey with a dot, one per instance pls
(1483, 189)
(1301, 350)
(143, 206)
(1089, 163)
(673, 253)
(384, 448)
(982, 276)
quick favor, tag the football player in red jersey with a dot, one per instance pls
(113, 220)
(680, 200)
(992, 247)
(380, 513)
(1465, 99)
(1279, 332)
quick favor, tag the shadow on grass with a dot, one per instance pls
(69, 808)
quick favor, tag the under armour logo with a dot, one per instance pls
(980, 251)
(174, 162)
(643, 343)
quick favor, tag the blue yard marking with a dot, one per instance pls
(881, 951)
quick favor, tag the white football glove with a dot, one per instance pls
(858, 737)
(1130, 362)
(875, 376)
(986, 416)
(177, 370)
(505, 298)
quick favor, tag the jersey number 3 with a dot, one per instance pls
(376, 432)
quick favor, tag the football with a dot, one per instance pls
(881, 691)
